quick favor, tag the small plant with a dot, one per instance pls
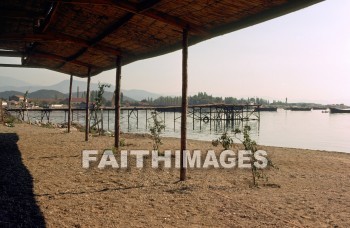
(122, 142)
(251, 145)
(97, 113)
(156, 129)
(24, 105)
(9, 120)
(48, 125)
(99, 98)
(225, 140)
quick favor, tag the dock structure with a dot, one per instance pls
(211, 114)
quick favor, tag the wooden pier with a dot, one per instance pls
(201, 114)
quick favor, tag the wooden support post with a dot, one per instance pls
(210, 117)
(128, 119)
(232, 117)
(200, 118)
(137, 119)
(101, 110)
(184, 104)
(117, 102)
(146, 119)
(87, 108)
(164, 118)
(108, 119)
(2, 113)
(174, 118)
(70, 103)
(193, 118)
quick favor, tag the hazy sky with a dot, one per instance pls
(304, 56)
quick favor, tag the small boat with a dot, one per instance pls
(319, 108)
(266, 109)
(300, 109)
(338, 110)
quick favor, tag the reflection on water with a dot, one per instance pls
(297, 129)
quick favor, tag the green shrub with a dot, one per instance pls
(156, 129)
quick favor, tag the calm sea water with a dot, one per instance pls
(296, 129)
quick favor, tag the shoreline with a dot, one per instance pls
(309, 188)
(265, 146)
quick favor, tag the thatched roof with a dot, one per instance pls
(68, 36)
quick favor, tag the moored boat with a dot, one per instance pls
(266, 109)
(300, 109)
(338, 110)
(319, 108)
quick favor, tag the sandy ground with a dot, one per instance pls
(310, 188)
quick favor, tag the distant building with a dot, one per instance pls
(3, 103)
(76, 102)
(56, 106)
(17, 98)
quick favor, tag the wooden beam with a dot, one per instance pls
(57, 37)
(30, 37)
(11, 53)
(50, 16)
(117, 103)
(176, 22)
(19, 66)
(158, 15)
(19, 14)
(146, 5)
(70, 103)
(42, 27)
(184, 105)
(144, 9)
(59, 58)
(115, 26)
(87, 122)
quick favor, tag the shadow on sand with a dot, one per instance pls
(18, 207)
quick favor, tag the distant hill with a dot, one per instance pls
(53, 94)
(6, 94)
(8, 81)
(47, 94)
(9, 84)
(107, 95)
(140, 94)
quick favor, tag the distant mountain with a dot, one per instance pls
(140, 94)
(6, 94)
(47, 94)
(39, 94)
(107, 95)
(62, 87)
(53, 94)
(12, 82)
(16, 85)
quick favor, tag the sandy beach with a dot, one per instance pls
(43, 184)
